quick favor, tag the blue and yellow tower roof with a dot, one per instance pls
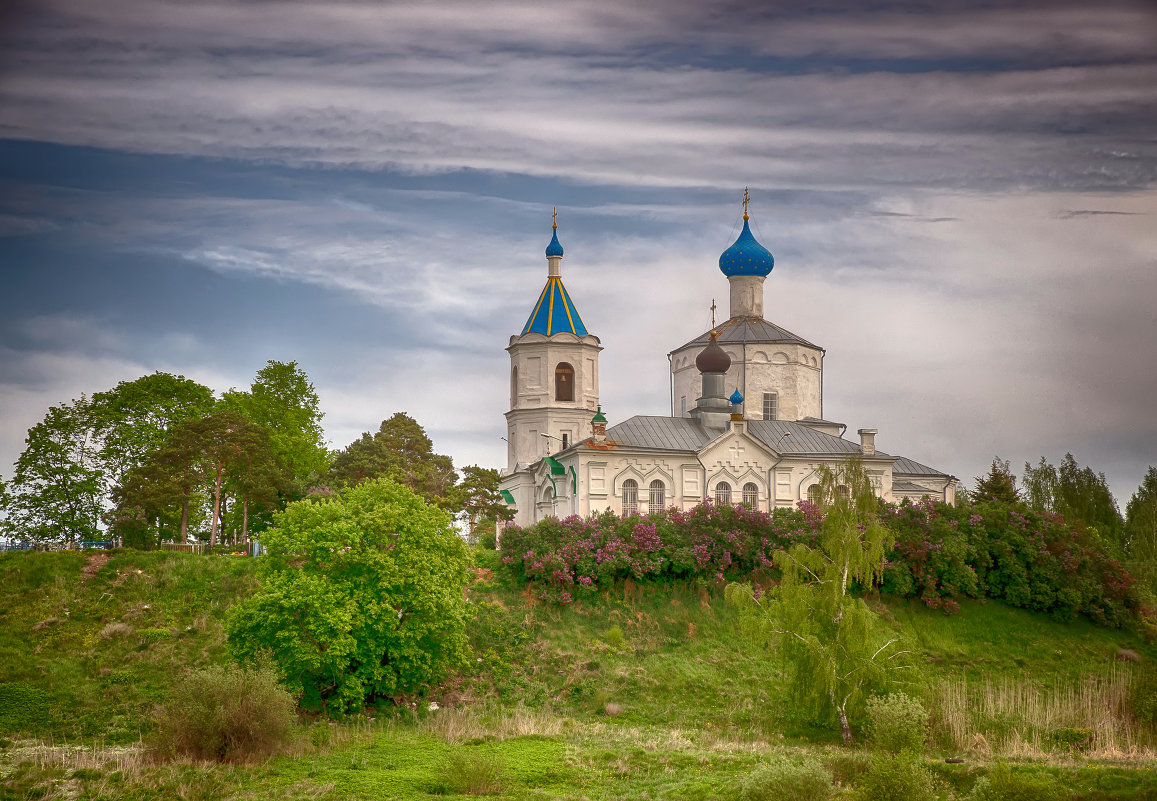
(555, 312)
(746, 256)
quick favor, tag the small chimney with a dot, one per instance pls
(599, 427)
(867, 441)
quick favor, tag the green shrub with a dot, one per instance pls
(361, 597)
(900, 777)
(154, 635)
(896, 722)
(788, 781)
(1071, 739)
(614, 637)
(226, 713)
(475, 772)
(1001, 784)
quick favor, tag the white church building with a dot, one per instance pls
(761, 444)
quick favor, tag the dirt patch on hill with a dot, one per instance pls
(93, 565)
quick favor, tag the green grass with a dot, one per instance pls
(640, 693)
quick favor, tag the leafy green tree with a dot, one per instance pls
(1141, 530)
(361, 597)
(479, 498)
(1078, 493)
(58, 486)
(284, 402)
(833, 642)
(400, 450)
(133, 420)
(998, 485)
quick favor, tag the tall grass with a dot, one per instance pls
(1012, 716)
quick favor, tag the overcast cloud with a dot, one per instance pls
(960, 200)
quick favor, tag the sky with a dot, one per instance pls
(961, 198)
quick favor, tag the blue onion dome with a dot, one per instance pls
(713, 359)
(554, 248)
(736, 398)
(746, 256)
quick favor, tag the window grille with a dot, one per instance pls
(750, 495)
(658, 497)
(723, 492)
(630, 496)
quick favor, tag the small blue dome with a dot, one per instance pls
(736, 398)
(746, 256)
(555, 249)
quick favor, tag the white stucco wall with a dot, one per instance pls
(793, 372)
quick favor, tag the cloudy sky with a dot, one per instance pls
(961, 200)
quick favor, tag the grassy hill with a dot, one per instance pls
(641, 693)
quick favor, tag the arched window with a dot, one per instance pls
(563, 382)
(723, 492)
(813, 493)
(658, 497)
(750, 495)
(843, 492)
(630, 496)
(514, 386)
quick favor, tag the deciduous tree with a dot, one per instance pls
(58, 486)
(1078, 493)
(478, 496)
(400, 450)
(1141, 530)
(361, 597)
(833, 642)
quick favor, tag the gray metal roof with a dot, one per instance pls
(738, 330)
(660, 433)
(906, 467)
(908, 486)
(796, 439)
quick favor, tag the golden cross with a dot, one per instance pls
(554, 218)
(746, 198)
(713, 313)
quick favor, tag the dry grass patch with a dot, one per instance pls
(463, 724)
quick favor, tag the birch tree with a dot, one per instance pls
(835, 646)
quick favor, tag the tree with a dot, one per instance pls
(830, 638)
(479, 497)
(998, 485)
(58, 486)
(400, 450)
(283, 402)
(1078, 493)
(133, 420)
(361, 597)
(1141, 530)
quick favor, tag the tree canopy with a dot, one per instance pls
(999, 484)
(400, 450)
(1078, 493)
(361, 597)
(1141, 530)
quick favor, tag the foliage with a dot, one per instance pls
(999, 484)
(1077, 493)
(829, 637)
(572, 558)
(788, 780)
(226, 713)
(1141, 530)
(1002, 784)
(57, 489)
(284, 403)
(896, 722)
(1030, 559)
(479, 499)
(361, 597)
(400, 451)
(896, 777)
(132, 420)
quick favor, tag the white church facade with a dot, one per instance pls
(761, 445)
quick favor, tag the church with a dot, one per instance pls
(761, 444)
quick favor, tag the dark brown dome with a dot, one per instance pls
(713, 359)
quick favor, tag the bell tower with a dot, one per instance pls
(554, 373)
